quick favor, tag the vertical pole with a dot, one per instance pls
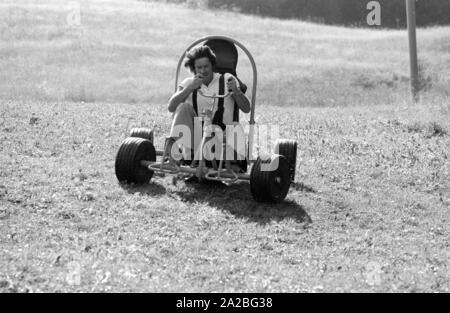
(411, 21)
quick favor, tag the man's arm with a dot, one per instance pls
(238, 96)
(242, 101)
(180, 96)
(183, 93)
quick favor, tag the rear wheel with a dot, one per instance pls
(269, 179)
(128, 160)
(142, 132)
(288, 149)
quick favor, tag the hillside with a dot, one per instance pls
(126, 51)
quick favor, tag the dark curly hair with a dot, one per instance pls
(197, 53)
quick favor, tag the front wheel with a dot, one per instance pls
(269, 179)
(142, 132)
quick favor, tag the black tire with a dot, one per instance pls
(270, 186)
(145, 133)
(288, 149)
(128, 160)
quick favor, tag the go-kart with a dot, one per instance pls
(270, 175)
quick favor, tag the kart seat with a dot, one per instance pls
(226, 62)
(226, 58)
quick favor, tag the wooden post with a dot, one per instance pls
(411, 21)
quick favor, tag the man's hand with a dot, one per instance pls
(232, 85)
(197, 82)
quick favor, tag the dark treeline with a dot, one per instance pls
(344, 12)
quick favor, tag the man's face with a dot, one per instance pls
(203, 66)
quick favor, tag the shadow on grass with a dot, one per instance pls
(237, 200)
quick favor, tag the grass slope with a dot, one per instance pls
(127, 51)
(369, 209)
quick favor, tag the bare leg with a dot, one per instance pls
(183, 127)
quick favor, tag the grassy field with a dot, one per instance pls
(370, 207)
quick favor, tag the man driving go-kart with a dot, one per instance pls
(206, 139)
(191, 101)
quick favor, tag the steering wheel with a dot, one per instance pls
(214, 96)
